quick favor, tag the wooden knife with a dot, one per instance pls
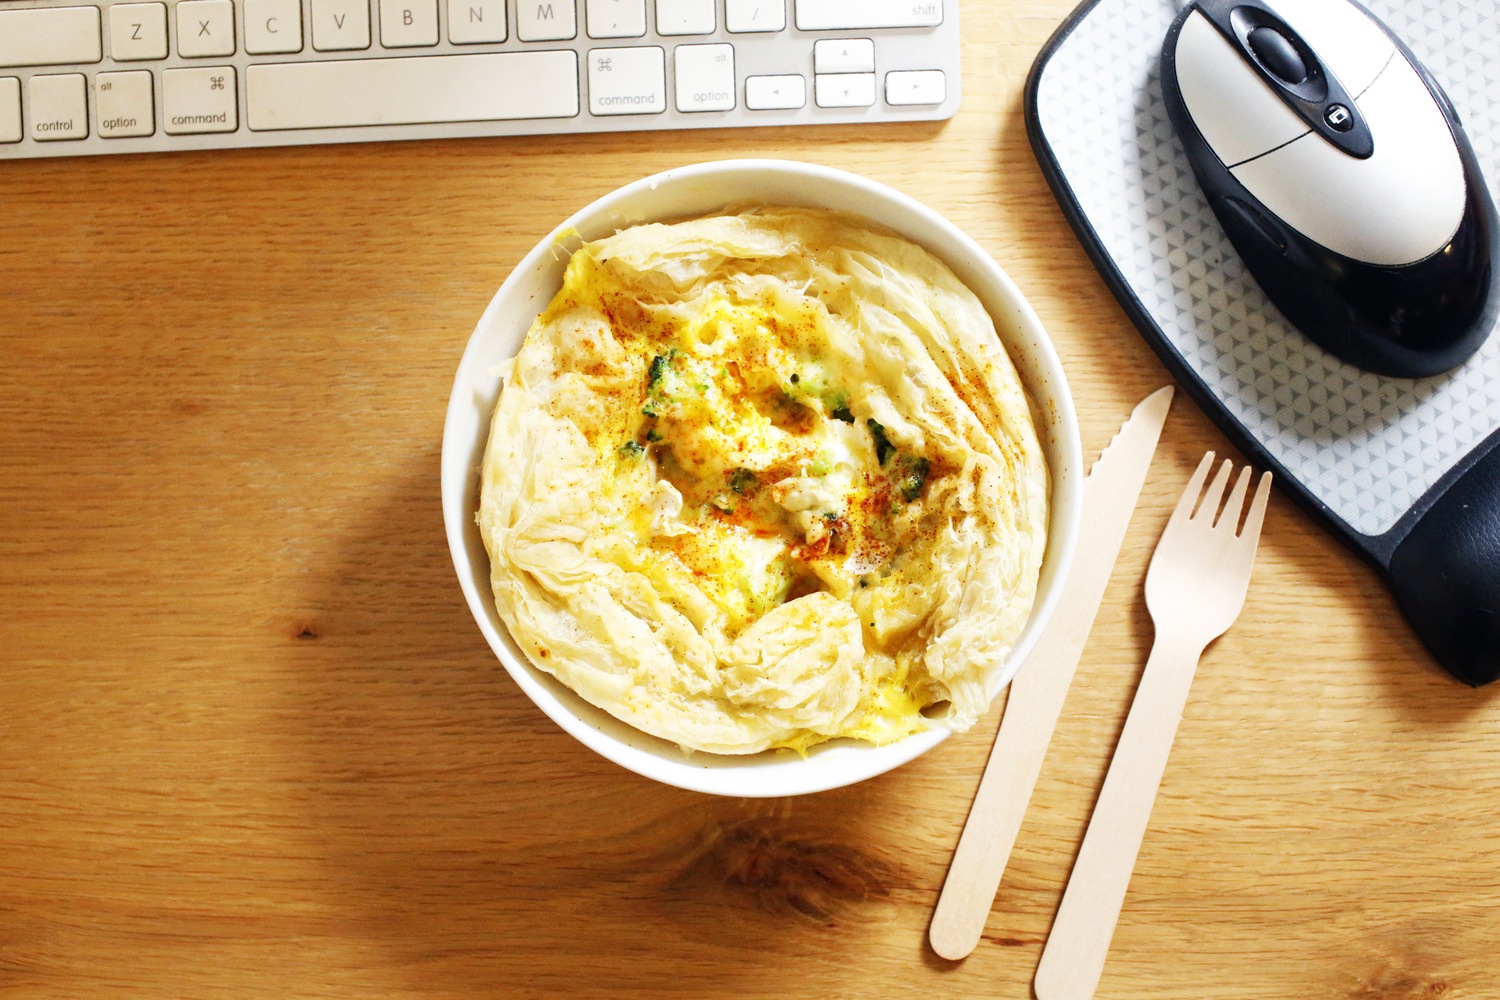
(1039, 689)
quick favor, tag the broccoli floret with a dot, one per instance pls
(742, 481)
(658, 369)
(914, 479)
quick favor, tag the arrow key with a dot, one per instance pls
(775, 93)
(920, 86)
(844, 55)
(844, 90)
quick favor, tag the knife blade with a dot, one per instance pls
(1041, 686)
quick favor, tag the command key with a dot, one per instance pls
(201, 99)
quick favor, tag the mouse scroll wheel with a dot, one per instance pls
(1276, 52)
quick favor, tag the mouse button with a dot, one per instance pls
(1416, 150)
(1237, 112)
(1401, 205)
(1345, 40)
(1277, 53)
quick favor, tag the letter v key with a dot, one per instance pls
(341, 24)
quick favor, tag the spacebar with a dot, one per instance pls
(411, 91)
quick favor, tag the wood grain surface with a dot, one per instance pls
(252, 743)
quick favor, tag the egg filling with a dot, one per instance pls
(765, 480)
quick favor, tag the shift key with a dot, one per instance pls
(50, 36)
(838, 15)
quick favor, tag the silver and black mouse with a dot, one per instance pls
(1340, 172)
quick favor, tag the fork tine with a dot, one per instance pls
(1230, 516)
(1210, 504)
(1250, 536)
(1190, 492)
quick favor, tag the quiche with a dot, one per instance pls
(765, 479)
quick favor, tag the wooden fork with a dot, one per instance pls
(1195, 589)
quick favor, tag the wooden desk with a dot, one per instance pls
(251, 742)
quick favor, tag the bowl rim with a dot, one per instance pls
(769, 773)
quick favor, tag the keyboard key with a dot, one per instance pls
(615, 18)
(137, 31)
(844, 55)
(844, 90)
(123, 104)
(684, 17)
(755, 15)
(838, 15)
(201, 99)
(205, 28)
(473, 21)
(273, 26)
(628, 81)
(10, 109)
(406, 24)
(413, 90)
(705, 77)
(339, 25)
(775, 93)
(920, 86)
(50, 36)
(546, 20)
(59, 107)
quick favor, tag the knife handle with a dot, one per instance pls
(1015, 761)
(1073, 958)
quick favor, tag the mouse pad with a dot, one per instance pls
(1365, 454)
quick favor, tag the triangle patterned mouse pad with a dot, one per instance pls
(1366, 454)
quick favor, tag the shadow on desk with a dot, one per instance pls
(472, 841)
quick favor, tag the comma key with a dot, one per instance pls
(615, 18)
(201, 99)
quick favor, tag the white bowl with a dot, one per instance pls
(697, 190)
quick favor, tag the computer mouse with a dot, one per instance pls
(1340, 171)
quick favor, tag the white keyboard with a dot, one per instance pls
(84, 79)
